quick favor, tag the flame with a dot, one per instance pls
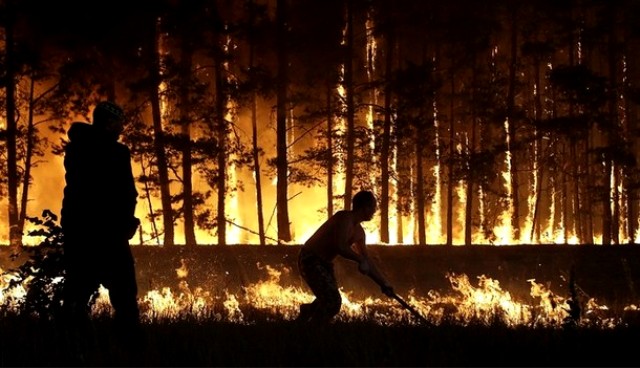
(306, 211)
(182, 271)
(465, 304)
(11, 298)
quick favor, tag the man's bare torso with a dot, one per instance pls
(340, 231)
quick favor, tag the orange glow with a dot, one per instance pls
(464, 304)
(307, 206)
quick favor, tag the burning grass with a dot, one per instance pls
(235, 306)
(475, 322)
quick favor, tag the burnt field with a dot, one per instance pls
(257, 329)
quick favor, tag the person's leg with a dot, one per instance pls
(123, 288)
(320, 277)
(123, 294)
(80, 282)
(306, 272)
(307, 311)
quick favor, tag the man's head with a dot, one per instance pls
(365, 202)
(109, 117)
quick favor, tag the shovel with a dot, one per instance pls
(410, 309)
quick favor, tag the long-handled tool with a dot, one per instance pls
(403, 303)
(410, 309)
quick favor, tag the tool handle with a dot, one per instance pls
(410, 308)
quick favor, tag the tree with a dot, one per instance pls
(284, 230)
(11, 134)
(155, 81)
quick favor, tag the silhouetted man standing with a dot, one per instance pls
(98, 218)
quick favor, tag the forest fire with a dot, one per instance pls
(502, 142)
(485, 303)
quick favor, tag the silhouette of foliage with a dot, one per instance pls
(42, 273)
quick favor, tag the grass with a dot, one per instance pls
(28, 341)
(271, 340)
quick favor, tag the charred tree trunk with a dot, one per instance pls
(13, 179)
(630, 119)
(256, 167)
(450, 178)
(284, 230)
(404, 161)
(588, 201)
(385, 152)
(606, 203)
(185, 123)
(26, 178)
(419, 184)
(610, 217)
(221, 155)
(349, 88)
(159, 142)
(566, 195)
(615, 221)
(576, 190)
(468, 213)
(539, 168)
(148, 195)
(255, 149)
(329, 153)
(565, 199)
(614, 138)
(515, 194)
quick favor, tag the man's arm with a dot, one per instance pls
(367, 266)
(347, 235)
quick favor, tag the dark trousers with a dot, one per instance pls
(320, 277)
(89, 263)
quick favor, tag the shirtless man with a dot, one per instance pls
(341, 235)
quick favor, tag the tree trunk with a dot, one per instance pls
(159, 143)
(536, 223)
(565, 199)
(147, 191)
(606, 203)
(419, 183)
(221, 137)
(329, 153)
(26, 178)
(468, 213)
(256, 167)
(15, 236)
(614, 138)
(385, 152)
(349, 88)
(588, 200)
(630, 119)
(515, 193)
(577, 223)
(405, 150)
(255, 152)
(450, 180)
(282, 166)
(185, 123)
